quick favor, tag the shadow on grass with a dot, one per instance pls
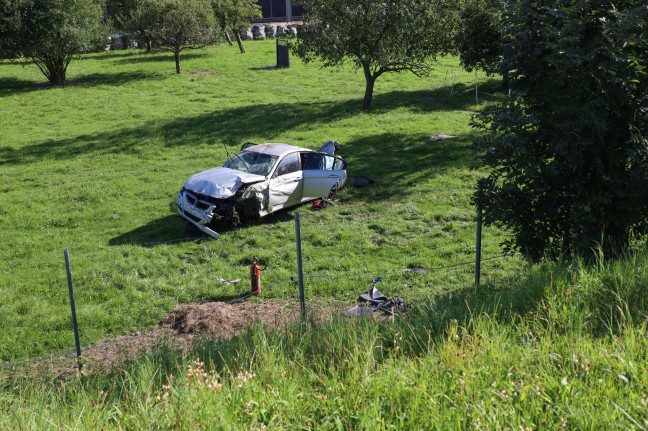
(463, 94)
(173, 229)
(113, 53)
(398, 162)
(157, 57)
(15, 85)
(230, 126)
(167, 230)
(113, 79)
(265, 68)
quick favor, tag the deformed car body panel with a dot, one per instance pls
(221, 182)
(258, 181)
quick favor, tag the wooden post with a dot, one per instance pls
(72, 307)
(302, 301)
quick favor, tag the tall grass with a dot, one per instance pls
(563, 348)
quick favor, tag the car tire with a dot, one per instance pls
(332, 192)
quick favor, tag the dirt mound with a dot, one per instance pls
(224, 320)
(218, 320)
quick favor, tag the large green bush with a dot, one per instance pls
(568, 150)
(50, 32)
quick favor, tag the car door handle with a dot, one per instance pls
(334, 176)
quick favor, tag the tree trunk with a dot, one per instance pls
(176, 54)
(57, 78)
(239, 41)
(370, 80)
(56, 73)
(229, 38)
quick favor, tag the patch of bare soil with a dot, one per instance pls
(218, 320)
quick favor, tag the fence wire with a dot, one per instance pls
(244, 297)
(127, 338)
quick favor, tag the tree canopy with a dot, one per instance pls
(235, 15)
(377, 36)
(51, 32)
(184, 24)
(568, 152)
(135, 17)
(478, 39)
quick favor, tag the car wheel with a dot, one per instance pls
(332, 193)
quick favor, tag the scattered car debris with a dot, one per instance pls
(320, 204)
(359, 310)
(359, 181)
(417, 270)
(374, 300)
(440, 137)
(227, 282)
(395, 304)
(373, 296)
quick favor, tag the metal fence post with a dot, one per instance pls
(72, 307)
(302, 302)
(478, 247)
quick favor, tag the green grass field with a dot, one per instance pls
(96, 166)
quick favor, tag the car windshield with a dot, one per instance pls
(254, 163)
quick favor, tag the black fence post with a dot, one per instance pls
(302, 301)
(478, 247)
(72, 307)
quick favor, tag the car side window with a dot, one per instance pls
(328, 163)
(339, 164)
(313, 161)
(288, 165)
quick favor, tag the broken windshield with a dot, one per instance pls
(254, 163)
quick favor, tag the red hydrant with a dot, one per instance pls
(255, 277)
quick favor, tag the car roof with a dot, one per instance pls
(275, 149)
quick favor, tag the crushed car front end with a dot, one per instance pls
(217, 197)
(198, 209)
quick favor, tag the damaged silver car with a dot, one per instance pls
(258, 181)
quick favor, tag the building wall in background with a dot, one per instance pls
(277, 9)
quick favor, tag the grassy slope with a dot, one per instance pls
(563, 349)
(95, 167)
(549, 348)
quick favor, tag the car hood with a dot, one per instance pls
(220, 183)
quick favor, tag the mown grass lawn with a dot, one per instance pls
(96, 166)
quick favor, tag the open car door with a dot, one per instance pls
(329, 147)
(322, 173)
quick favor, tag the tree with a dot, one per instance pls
(478, 39)
(10, 20)
(51, 32)
(184, 24)
(135, 17)
(377, 36)
(235, 15)
(569, 153)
